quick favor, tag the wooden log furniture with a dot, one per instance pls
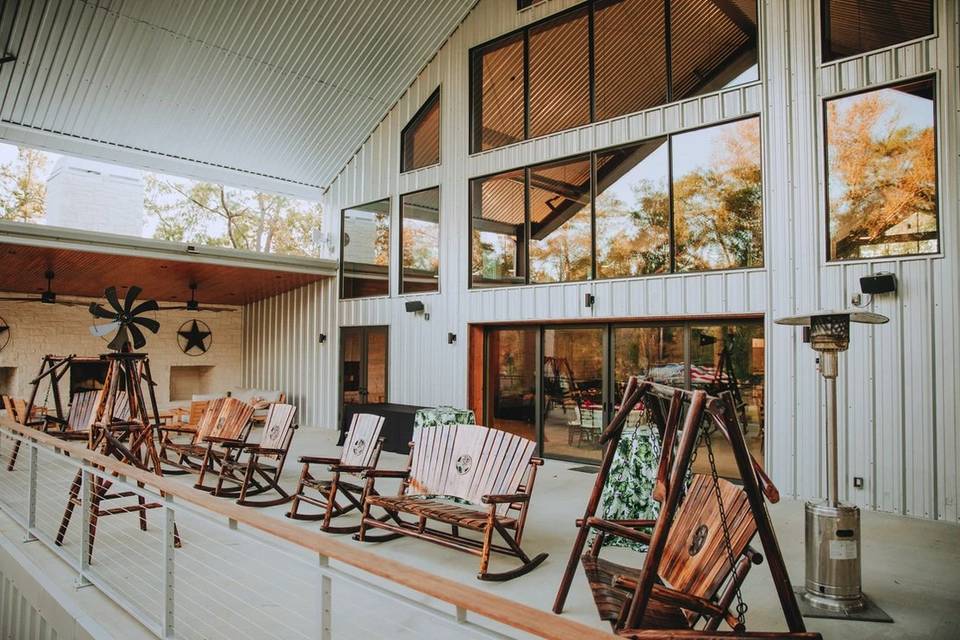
(253, 476)
(699, 546)
(475, 466)
(360, 454)
(181, 457)
(231, 425)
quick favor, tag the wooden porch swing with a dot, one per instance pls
(698, 548)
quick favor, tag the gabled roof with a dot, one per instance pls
(269, 95)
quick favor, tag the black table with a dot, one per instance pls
(397, 425)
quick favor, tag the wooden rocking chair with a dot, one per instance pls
(253, 477)
(360, 453)
(473, 465)
(232, 425)
(698, 551)
(186, 457)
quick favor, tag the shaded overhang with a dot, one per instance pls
(86, 263)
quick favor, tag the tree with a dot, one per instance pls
(23, 187)
(214, 215)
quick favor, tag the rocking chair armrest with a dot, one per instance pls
(318, 460)
(268, 452)
(617, 528)
(348, 468)
(227, 442)
(386, 473)
(504, 498)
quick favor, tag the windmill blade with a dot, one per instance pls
(111, 294)
(147, 323)
(143, 307)
(138, 338)
(132, 294)
(98, 311)
(101, 330)
(120, 340)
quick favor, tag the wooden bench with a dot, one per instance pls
(468, 477)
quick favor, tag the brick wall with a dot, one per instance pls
(95, 196)
(37, 329)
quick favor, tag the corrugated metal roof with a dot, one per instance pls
(285, 90)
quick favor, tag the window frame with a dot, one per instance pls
(822, 19)
(672, 271)
(340, 271)
(590, 5)
(415, 120)
(400, 291)
(829, 261)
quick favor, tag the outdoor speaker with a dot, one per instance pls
(414, 306)
(880, 282)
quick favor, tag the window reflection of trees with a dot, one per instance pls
(881, 165)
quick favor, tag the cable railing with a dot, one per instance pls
(195, 566)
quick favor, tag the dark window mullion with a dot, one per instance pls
(670, 209)
(593, 216)
(526, 225)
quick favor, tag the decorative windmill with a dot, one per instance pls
(125, 319)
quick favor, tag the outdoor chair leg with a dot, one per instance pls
(331, 499)
(72, 499)
(13, 456)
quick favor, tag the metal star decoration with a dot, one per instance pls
(4, 333)
(196, 339)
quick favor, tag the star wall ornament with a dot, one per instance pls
(194, 337)
(4, 334)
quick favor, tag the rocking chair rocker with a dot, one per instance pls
(698, 550)
(360, 453)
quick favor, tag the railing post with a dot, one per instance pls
(86, 505)
(461, 615)
(169, 540)
(324, 605)
(32, 459)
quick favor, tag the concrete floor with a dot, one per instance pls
(911, 567)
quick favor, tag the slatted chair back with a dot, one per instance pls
(468, 462)
(278, 426)
(83, 410)
(361, 443)
(9, 408)
(121, 407)
(197, 409)
(19, 410)
(233, 419)
(208, 419)
(695, 560)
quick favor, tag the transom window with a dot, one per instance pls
(604, 59)
(882, 172)
(420, 139)
(682, 203)
(365, 250)
(852, 27)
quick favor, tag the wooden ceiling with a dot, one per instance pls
(88, 273)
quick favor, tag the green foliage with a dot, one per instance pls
(213, 215)
(23, 187)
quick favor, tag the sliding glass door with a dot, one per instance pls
(560, 384)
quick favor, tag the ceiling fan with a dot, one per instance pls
(46, 297)
(124, 319)
(193, 304)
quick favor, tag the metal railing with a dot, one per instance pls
(194, 566)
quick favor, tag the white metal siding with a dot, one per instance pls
(899, 390)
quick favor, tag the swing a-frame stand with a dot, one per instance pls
(128, 439)
(698, 548)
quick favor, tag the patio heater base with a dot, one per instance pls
(870, 612)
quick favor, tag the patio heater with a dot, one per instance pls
(832, 529)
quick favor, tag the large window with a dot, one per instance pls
(498, 233)
(604, 59)
(420, 241)
(881, 172)
(420, 139)
(583, 371)
(852, 27)
(687, 202)
(365, 250)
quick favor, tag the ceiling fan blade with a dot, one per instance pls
(143, 307)
(219, 309)
(178, 307)
(147, 323)
(101, 330)
(120, 340)
(132, 294)
(99, 312)
(138, 338)
(19, 299)
(111, 294)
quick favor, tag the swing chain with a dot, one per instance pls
(741, 605)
